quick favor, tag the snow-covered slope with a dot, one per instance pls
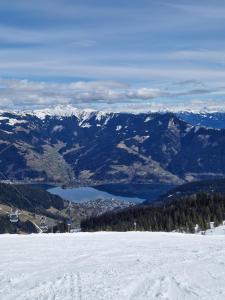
(92, 266)
(207, 119)
(220, 230)
(61, 111)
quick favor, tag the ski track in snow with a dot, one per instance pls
(135, 265)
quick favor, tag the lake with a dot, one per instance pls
(136, 193)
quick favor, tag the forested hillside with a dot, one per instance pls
(181, 215)
(32, 205)
(28, 198)
(190, 188)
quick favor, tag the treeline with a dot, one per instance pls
(7, 227)
(180, 215)
(191, 188)
(28, 198)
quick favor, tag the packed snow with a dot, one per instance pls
(220, 230)
(114, 266)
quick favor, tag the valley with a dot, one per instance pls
(136, 193)
(107, 162)
(96, 148)
(112, 150)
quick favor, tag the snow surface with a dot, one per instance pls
(67, 110)
(62, 111)
(216, 230)
(114, 266)
(13, 122)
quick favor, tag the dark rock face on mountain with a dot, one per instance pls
(95, 147)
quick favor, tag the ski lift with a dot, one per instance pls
(14, 215)
(135, 225)
(43, 225)
(69, 222)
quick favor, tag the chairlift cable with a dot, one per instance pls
(14, 187)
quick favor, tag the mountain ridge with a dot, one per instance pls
(100, 147)
(69, 109)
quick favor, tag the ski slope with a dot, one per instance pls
(220, 230)
(114, 266)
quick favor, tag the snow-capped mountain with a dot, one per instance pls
(208, 119)
(205, 118)
(67, 144)
(60, 111)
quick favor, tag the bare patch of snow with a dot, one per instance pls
(57, 128)
(85, 125)
(148, 119)
(13, 122)
(3, 118)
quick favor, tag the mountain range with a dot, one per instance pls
(208, 119)
(88, 147)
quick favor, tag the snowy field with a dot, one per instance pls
(112, 266)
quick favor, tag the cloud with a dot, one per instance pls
(116, 53)
(146, 93)
(202, 9)
(26, 94)
(190, 82)
(110, 41)
(97, 85)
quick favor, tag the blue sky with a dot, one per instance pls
(117, 55)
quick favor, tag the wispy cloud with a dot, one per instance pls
(22, 94)
(117, 52)
(202, 8)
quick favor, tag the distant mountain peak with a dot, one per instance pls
(67, 110)
(95, 146)
(60, 111)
